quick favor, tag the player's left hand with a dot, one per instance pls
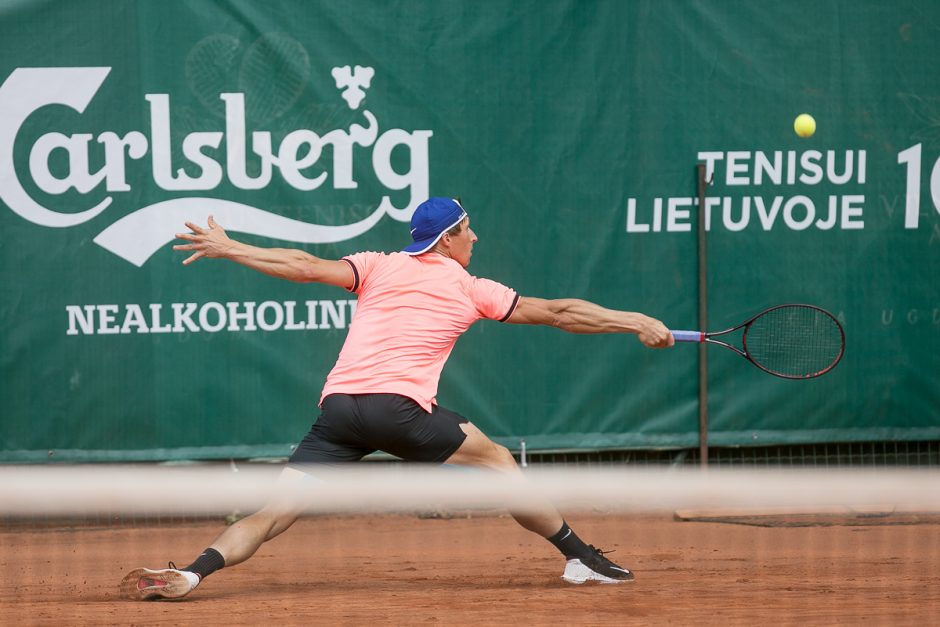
(207, 242)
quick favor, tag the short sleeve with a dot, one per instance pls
(362, 266)
(493, 300)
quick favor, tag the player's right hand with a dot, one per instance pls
(655, 334)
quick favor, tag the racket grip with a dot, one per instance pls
(688, 336)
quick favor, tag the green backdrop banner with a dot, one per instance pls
(571, 130)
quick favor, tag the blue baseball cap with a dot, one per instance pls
(433, 218)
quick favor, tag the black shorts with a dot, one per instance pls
(351, 426)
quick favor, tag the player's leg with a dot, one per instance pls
(477, 450)
(240, 540)
(235, 544)
(584, 561)
(326, 443)
(401, 427)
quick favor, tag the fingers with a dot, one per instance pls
(197, 235)
(657, 335)
(657, 342)
(197, 229)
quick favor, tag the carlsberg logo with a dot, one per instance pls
(136, 236)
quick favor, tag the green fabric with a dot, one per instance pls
(563, 126)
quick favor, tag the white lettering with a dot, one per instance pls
(851, 210)
(290, 325)
(773, 169)
(710, 203)
(183, 317)
(342, 143)
(792, 222)
(312, 314)
(710, 158)
(737, 168)
(416, 178)
(22, 93)
(134, 317)
(155, 326)
(741, 223)
(136, 144)
(812, 172)
(162, 157)
(291, 165)
(263, 308)
(767, 217)
(81, 316)
(78, 177)
(846, 175)
(674, 214)
(236, 142)
(335, 312)
(213, 317)
(830, 221)
(60, 162)
(632, 225)
(219, 315)
(807, 168)
(211, 171)
(247, 316)
(106, 318)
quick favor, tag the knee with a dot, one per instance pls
(274, 515)
(502, 459)
(271, 521)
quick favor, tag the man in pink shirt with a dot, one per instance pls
(380, 395)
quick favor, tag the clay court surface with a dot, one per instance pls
(484, 570)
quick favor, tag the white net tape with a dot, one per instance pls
(71, 490)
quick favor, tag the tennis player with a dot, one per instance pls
(380, 395)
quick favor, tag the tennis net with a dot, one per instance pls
(401, 544)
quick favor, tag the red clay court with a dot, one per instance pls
(486, 570)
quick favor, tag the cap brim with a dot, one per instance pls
(423, 246)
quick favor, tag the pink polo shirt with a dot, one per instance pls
(410, 312)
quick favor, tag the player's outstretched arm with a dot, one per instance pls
(284, 263)
(580, 316)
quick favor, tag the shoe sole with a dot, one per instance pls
(143, 584)
(577, 573)
(605, 580)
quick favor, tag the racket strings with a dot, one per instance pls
(794, 341)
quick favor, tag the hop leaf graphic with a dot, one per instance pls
(353, 82)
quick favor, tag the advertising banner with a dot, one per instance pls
(570, 130)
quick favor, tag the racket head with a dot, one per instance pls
(794, 341)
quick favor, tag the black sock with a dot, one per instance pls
(568, 542)
(207, 563)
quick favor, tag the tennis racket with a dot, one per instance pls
(789, 341)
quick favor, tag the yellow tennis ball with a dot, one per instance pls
(804, 125)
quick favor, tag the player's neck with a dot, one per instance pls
(442, 251)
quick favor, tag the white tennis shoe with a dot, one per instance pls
(143, 584)
(595, 567)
